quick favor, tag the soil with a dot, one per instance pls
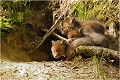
(58, 70)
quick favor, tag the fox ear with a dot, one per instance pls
(52, 42)
(61, 24)
(72, 20)
(80, 30)
(63, 41)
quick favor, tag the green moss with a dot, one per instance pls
(85, 52)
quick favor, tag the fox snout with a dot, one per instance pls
(56, 56)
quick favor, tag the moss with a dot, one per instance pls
(85, 52)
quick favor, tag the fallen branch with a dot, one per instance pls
(100, 51)
(55, 34)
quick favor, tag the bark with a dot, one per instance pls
(99, 51)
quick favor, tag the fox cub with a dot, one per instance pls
(87, 27)
(58, 49)
(61, 48)
(76, 29)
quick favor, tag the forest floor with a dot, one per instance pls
(60, 70)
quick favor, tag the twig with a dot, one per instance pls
(55, 34)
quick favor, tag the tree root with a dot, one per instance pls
(99, 51)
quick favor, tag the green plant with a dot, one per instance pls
(13, 13)
(97, 10)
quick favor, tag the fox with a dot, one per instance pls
(61, 48)
(83, 41)
(83, 27)
(93, 29)
(99, 39)
(58, 49)
(74, 34)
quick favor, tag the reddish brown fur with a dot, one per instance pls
(87, 27)
(60, 48)
(74, 29)
(74, 34)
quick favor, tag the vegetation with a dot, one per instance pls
(102, 11)
(12, 15)
(20, 19)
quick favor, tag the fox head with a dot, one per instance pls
(58, 48)
(67, 24)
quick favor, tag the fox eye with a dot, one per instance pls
(59, 50)
(54, 51)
